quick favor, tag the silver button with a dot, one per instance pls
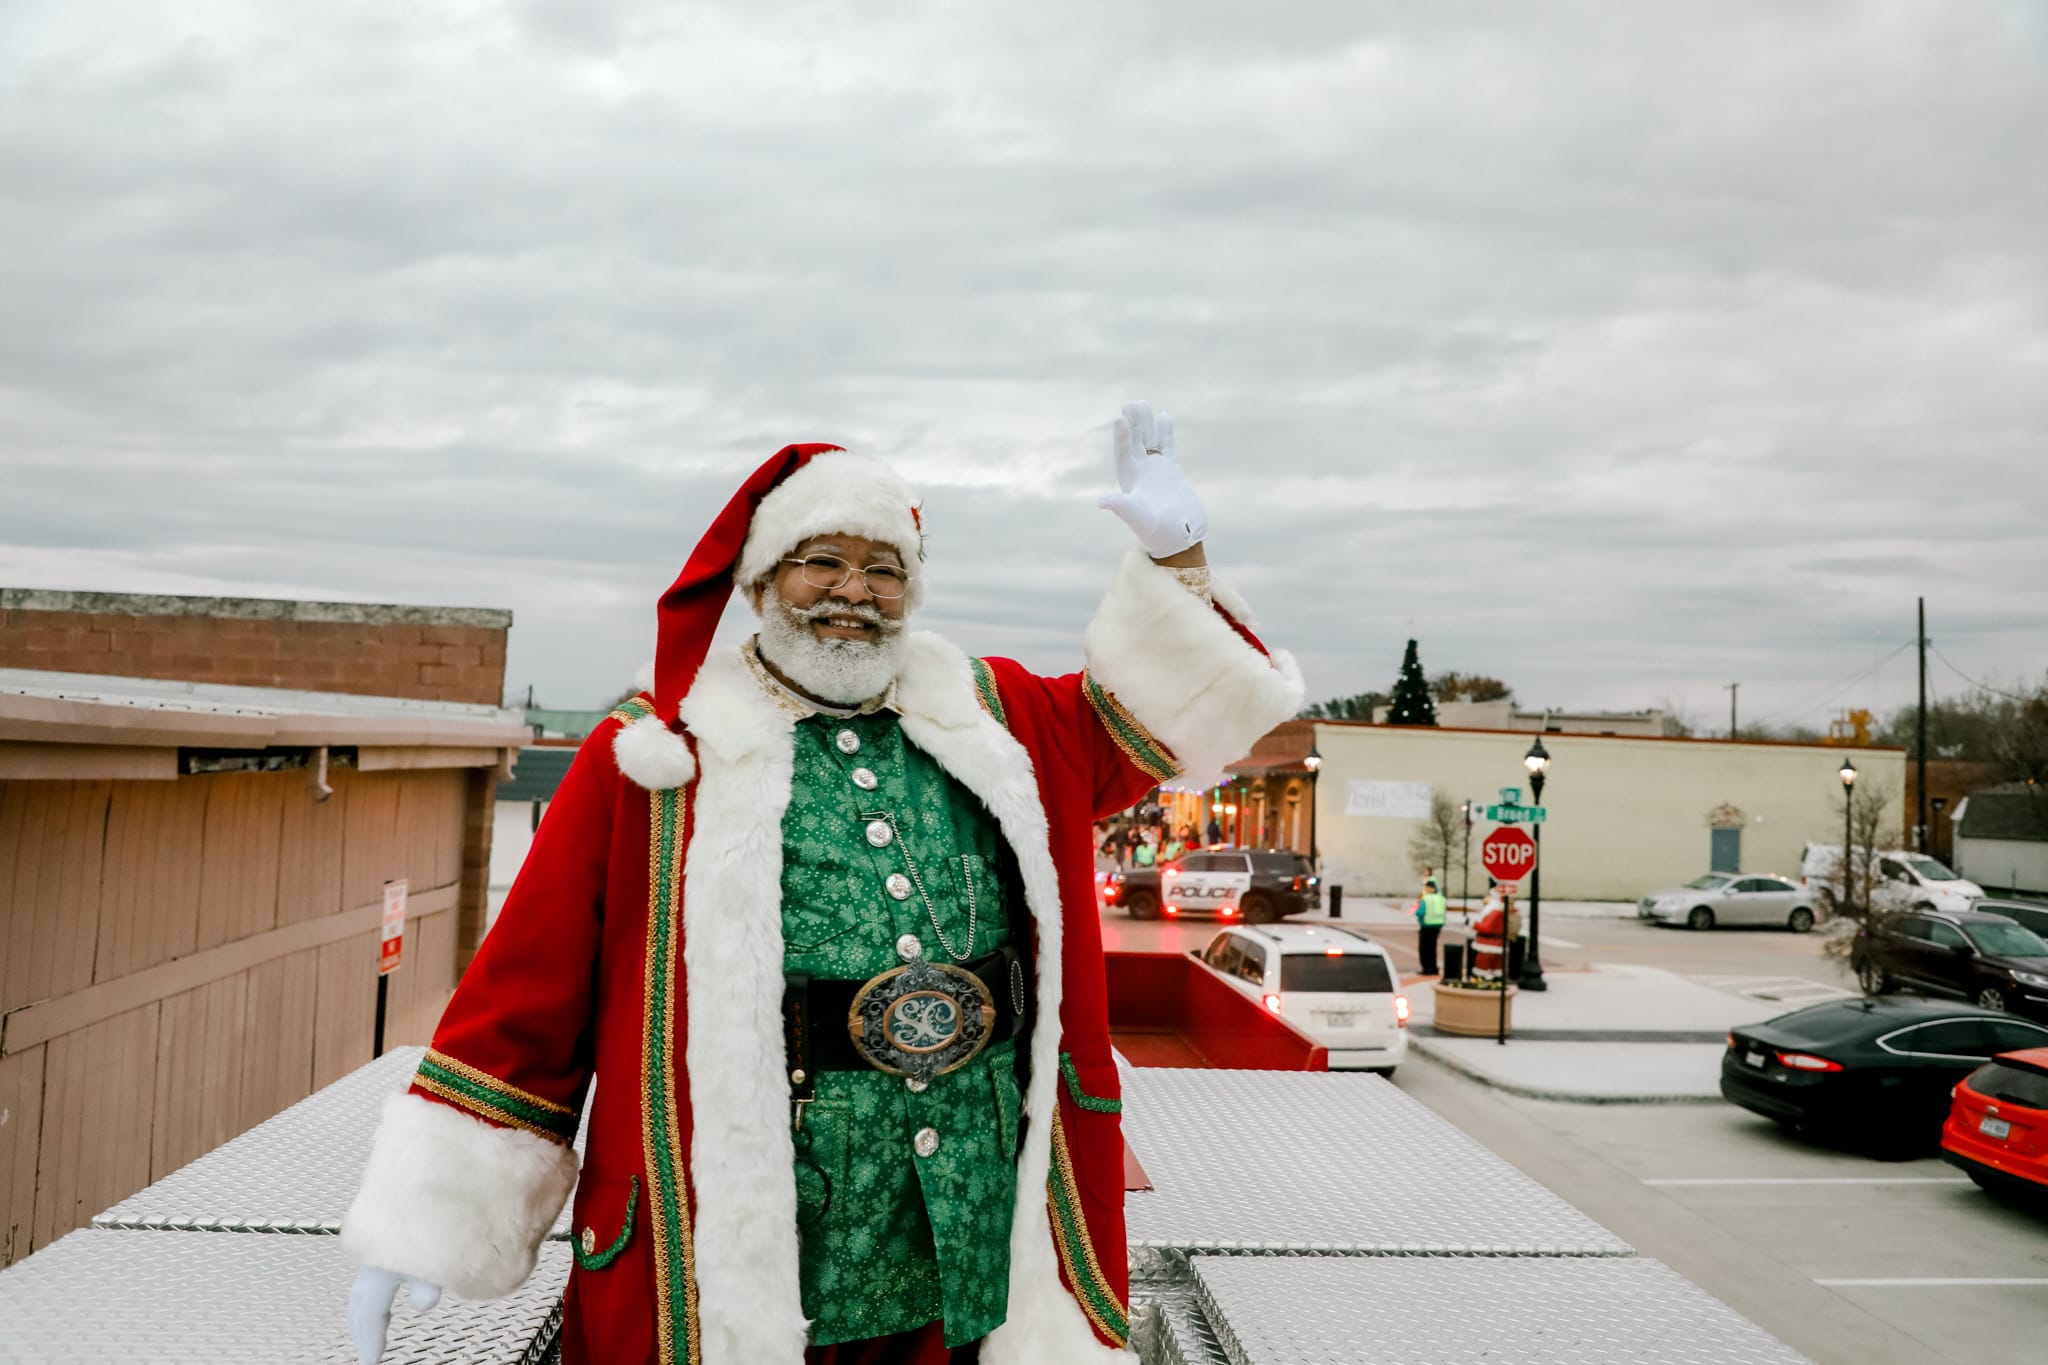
(865, 780)
(908, 948)
(879, 833)
(926, 1141)
(916, 1085)
(898, 886)
(848, 742)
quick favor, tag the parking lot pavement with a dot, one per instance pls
(1846, 1258)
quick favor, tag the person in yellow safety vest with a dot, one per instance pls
(1429, 913)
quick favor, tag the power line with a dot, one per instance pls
(1829, 691)
(1982, 686)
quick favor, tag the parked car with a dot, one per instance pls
(1877, 1071)
(1731, 898)
(1970, 955)
(1997, 1129)
(1333, 983)
(2028, 914)
(1258, 885)
(1905, 880)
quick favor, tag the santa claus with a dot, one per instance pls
(810, 937)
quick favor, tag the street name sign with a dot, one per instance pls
(1508, 854)
(1517, 815)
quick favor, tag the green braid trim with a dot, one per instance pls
(1081, 1097)
(1150, 756)
(598, 1260)
(985, 692)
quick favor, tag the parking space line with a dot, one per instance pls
(1961, 1283)
(1555, 941)
(1812, 1180)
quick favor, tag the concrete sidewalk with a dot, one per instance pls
(1613, 1034)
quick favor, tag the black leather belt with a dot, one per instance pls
(815, 1010)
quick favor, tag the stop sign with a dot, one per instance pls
(1508, 854)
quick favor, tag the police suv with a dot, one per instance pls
(1256, 885)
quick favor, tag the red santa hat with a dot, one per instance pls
(802, 491)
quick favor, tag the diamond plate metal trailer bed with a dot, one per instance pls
(1293, 1217)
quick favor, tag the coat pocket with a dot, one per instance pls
(1009, 1101)
(609, 1310)
(593, 1252)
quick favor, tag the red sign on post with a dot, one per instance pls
(1508, 854)
(391, 945)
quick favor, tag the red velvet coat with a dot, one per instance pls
(636, 970)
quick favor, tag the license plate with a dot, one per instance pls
(1753, 1058)
(1994, 1128)
(1328, 1020)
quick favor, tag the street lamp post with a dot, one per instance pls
(1537, 760)
(1465, 895)
(1314, 764)
(1848, 776)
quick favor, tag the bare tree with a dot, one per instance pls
(1858, 869)
(1434, 841)
(1679, 722)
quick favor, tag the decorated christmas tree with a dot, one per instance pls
(1411, 704)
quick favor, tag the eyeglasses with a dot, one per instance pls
(829, 572)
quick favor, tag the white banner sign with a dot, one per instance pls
(1389, 800)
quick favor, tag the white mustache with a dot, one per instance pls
(866, 612)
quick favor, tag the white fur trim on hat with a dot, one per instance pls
(857, 495)
(652, 755)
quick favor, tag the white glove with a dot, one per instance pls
(1157, 502)
(369, 1307)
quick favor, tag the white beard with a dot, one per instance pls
(843, 672)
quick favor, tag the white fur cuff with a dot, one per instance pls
(1180, 668)
(448, 1199)
(652, 755)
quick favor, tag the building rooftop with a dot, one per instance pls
(252, 608)
(90, 708)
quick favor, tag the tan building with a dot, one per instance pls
(1505, 715)
(1627, 815)
(192, 872)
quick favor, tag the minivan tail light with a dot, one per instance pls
(1806, 1061)
(1273, 1003)
(1401, 1011)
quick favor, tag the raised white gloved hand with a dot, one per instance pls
(369, 1307)
(1156, 501)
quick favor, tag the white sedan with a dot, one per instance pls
(1731, 898)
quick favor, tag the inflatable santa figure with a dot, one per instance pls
(810, 938)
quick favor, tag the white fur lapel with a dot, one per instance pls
(741, 1158)
(749, 1306)
(942, 717)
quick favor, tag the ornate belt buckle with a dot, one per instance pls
(921, 1020)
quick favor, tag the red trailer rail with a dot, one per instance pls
(1173, 1009)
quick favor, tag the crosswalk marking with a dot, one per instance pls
(1781, 989)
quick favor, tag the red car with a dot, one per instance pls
(1997, 1129)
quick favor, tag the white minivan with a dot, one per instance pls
(1905, 880)
(1332, 983)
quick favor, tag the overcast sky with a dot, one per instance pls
(1618, 350)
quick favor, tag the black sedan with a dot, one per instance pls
(1873, 1072)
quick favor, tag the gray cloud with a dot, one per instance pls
(1620, 351)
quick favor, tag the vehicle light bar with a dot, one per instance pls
(1273, 1003)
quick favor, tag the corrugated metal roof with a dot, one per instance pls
(97, 708)
(539, 771)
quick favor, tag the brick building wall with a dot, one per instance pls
(425, 653)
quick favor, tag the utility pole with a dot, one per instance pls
(1921, 836)
(1732, 689)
